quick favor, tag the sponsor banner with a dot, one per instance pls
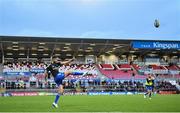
(74, 93)
(66, 93)
(80, 93)
(24, 93)
(30, 93)
(118, 93)
(167, 92)
(69, 93)
(89, 93)
(99, 93)
(5, 94)
(140, 93)
(45, 93)
(110, 93)
(17, 73)
(37, 70)
(155, 45)
(130, 93)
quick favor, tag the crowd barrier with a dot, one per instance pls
(78, 93)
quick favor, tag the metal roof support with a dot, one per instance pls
(2, 51)
(80, 45)
(105, 45)
(28, 55)
(53, 50)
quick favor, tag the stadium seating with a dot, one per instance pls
(159, 69)
(156, 67)
(37, 70)
(118, 71)
(125, 71)
(22, 66)
(173, 67)
(122, 71)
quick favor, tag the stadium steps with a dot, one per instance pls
(136, 70)
(100, 75)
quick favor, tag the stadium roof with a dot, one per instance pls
(44, 47)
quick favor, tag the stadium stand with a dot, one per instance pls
(111, 65)
(111, 71)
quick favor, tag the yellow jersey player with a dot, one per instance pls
(149, 86)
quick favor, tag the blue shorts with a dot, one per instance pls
(59, 78)
(149, 88)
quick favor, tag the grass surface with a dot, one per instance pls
(119, 103)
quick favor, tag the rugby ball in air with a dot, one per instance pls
(156, 23)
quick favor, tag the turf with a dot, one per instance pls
(119, 103)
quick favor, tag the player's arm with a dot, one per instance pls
(147, 80)
(68, 61)
(47, 72)
(46, 75)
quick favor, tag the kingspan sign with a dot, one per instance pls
(155, 45)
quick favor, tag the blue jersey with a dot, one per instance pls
(53, 69)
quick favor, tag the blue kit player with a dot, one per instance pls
(53, 70)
